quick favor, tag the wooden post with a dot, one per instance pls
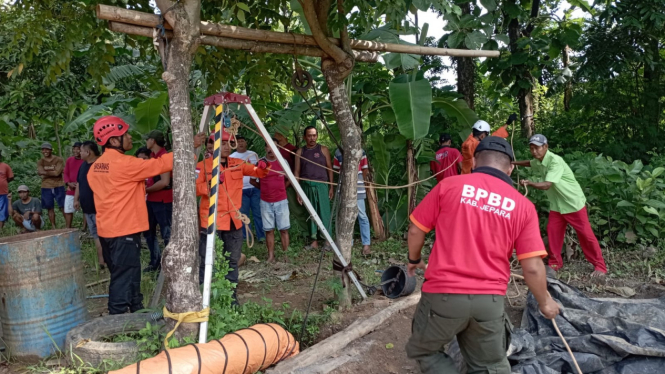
(212, 29)
(251, 46)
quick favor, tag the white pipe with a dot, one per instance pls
(210, 239)
(301, 193)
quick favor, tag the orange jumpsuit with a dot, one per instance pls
(118, 184)
(229, 197)
(469, 148)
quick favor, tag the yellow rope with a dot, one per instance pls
(186, 317)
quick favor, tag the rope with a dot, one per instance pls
(556, 327)
(570, 352)
(377, 186)
(186, 317)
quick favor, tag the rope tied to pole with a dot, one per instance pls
(185, 317)
(337, 266)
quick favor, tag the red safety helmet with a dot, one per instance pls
(108, 127)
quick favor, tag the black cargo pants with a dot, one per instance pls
(478, 321)
(123, 258)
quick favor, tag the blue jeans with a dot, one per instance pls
(159, 213)
(251, 199)
(363, 222)
(275, 215)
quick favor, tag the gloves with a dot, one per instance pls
(511, 118)
(262, 165)
(221, 178)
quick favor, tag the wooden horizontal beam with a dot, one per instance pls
(245, 45)
(236, 32)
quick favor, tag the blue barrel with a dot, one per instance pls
(42, 291)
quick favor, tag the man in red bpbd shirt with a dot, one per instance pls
(479, 219)
(448, 160)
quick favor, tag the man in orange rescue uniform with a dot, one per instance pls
(118, 184)
(229, 201)
(481, 129)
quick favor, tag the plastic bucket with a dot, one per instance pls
(402, 284)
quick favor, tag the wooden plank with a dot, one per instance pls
(261, 36)
(246, 45)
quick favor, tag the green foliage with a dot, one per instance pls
(412, 103)
(625, 201)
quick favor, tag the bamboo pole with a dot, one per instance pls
(133, 17)
(246, 45)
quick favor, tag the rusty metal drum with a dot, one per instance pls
(42, 291)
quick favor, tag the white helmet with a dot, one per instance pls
(481, 126)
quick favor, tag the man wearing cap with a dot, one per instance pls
(251, 196)
(467, 273)
(229, 202)
(6, 176)
(50, 169)
(159, 202)
(567, 205)
(70, 175)
(118, 185)
(447, 160)
(26, 211)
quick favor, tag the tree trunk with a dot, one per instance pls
(348, 199)
(180, 256)
(525, 98)
(568, 90)
(57, 138)
(374, 212)
(525, 95)
(335, 69)
(652, 89)
(412, 174)
(466, 70)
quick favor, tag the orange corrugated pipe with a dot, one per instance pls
(242, 352)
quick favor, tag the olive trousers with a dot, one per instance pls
(480, 324)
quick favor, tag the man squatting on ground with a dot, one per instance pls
(479, 218)
(118, 185)
(26, 211)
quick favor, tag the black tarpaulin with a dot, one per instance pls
(607, 336)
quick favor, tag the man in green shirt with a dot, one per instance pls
(567, 205)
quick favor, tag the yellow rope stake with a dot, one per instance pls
(186, 317)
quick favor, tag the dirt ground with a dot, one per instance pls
(290, 281)
(382, 351)
(378, 356)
